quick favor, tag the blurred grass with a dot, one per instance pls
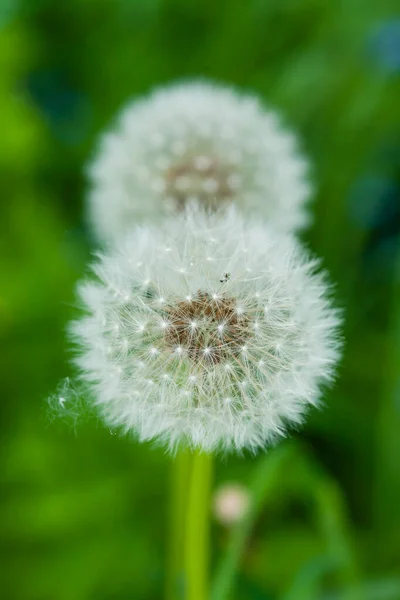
(84, 516)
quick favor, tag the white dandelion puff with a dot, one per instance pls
(208, 365)
(231, 503)
(196, 142)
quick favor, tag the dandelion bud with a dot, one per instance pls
(208, 330)
(196, 142)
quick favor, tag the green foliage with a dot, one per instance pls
(84, 516)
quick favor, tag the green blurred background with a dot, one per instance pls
(83, 512)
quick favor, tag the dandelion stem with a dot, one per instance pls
(180, 470)
(197, 527)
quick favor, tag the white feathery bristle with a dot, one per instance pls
(207, 329)
(196, 141)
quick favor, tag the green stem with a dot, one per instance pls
(197, 527)
(180, 470)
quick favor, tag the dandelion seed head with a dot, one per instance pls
(196, 142)
(216, 371)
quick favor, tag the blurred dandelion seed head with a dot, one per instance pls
(196, 142)
(231, 503)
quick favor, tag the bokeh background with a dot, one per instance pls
(83, 511)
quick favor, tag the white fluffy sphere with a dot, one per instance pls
(196, 141)
(207, 330)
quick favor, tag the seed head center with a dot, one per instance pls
(201, 178)
(208, 329)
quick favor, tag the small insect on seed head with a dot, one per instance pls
(225, 277)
